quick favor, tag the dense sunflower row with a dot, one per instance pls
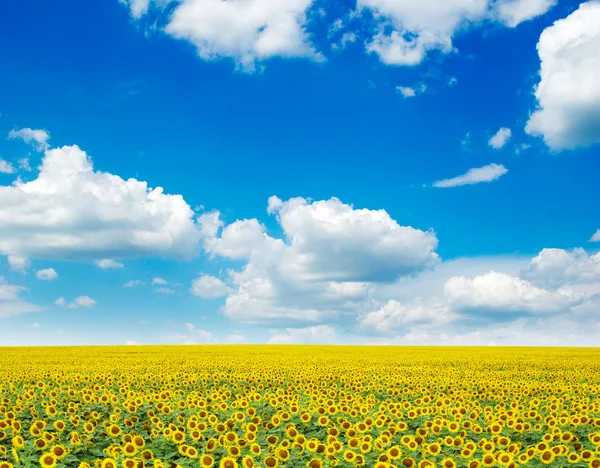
(278, 406)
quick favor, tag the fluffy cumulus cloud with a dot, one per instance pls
(499, 292)
(513, 12)
(596, 236)
(38, 138)
(553, 267)
(394, 316)
(6, 167)
(82, 301)
(477, 175)
(406, 30)
(73, 211)
(320, 334)
(401, 32)
(500, 138)
(209, 287)
(158, 280)
(11, 303)
(107, 264)
(47, 274)
(236, 240)
(247, 31)
(568, 93)
(323, 266)
(18, 263)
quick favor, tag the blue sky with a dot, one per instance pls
(387, 171)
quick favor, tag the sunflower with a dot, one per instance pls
(48, 460)
(434, 449)
(228, 462)
(448, 463)
(315, 463)
(60, 451)
(207, 461)
(547, 457)
(233, 451)
(108, 463)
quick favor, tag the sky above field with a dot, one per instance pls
(307, 171)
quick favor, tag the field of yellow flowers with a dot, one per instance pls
(287, 406)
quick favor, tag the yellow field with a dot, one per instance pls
(228, 406)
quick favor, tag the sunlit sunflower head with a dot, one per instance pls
(129, 449)
(207, 461)
(234, 451)
(255, 449)
(228, 462)
(108, 463)
(48, 460)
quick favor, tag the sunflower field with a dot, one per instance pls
(299, 406)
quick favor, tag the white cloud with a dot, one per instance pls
(133, 283)
(193, 335)
(165, 290)
(323, 266)
(557, 266)
(107, 263)
(207, 286)
(6, 167)
(131, 343)
(346, 39)
(237, 240)
(477, 175)
(452, 81)
(72, 211)
(394, 315)
(18, 263)
(513, 12)
(407, 30)
(11, 303)
(158, 280)
(248, 32)
(527, 331)
(235, 339)
(34, 325)
(406, 91)
(499, 292)
(47, 274)
(500, 138)
(320, 334)
(60, 301)
(138, 8)
(596, 236)
(465, 143)
(82, 301)
(24, 164)
(38, 138)
(568, 94)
